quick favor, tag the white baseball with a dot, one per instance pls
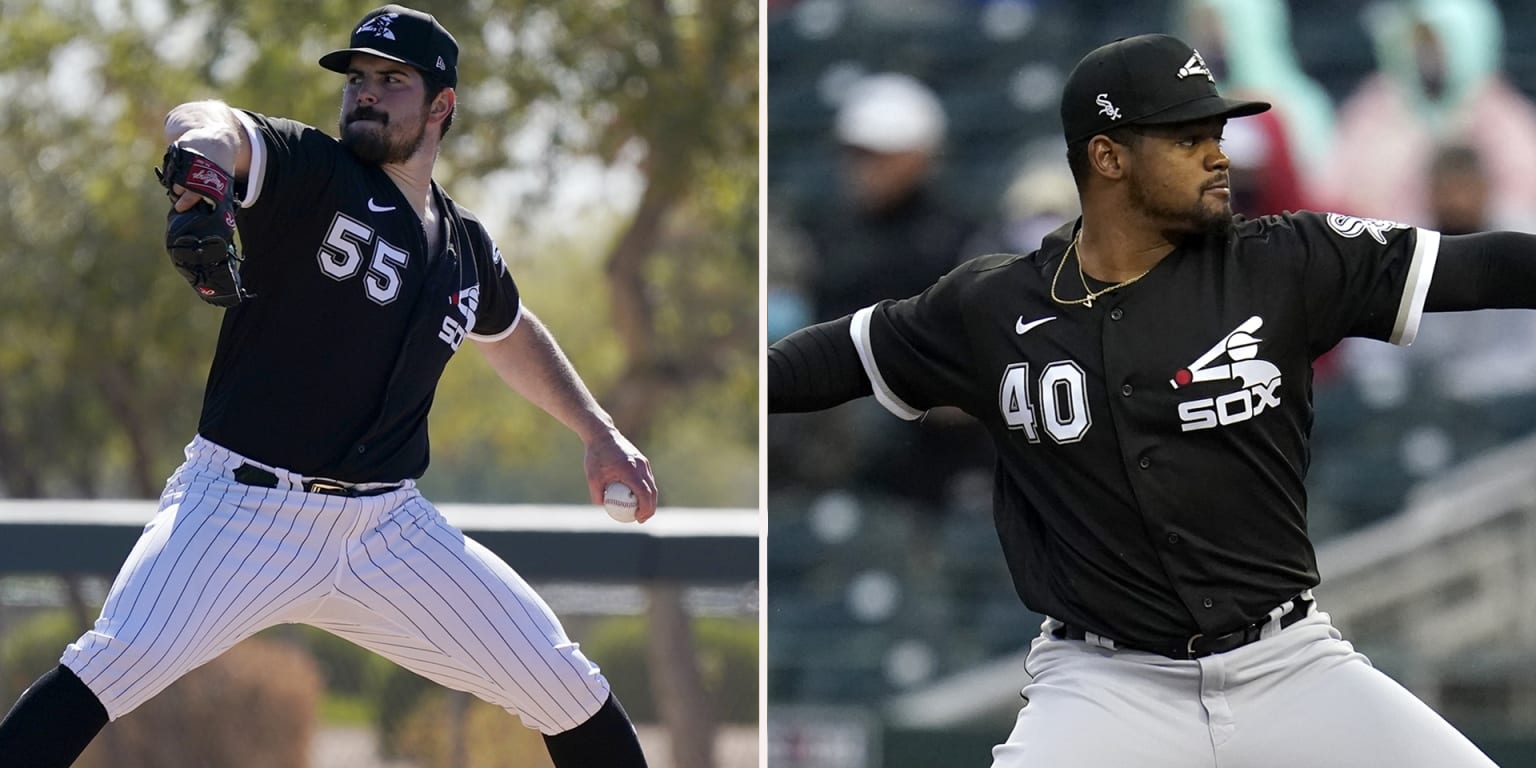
(619, 502)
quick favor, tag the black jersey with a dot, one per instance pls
(330, 370)
(1152, 447)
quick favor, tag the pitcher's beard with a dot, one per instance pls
(377, 147)
(1198, 218)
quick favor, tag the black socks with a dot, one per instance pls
(606, 740)
(52, 723)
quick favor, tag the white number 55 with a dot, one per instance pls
(341, 256)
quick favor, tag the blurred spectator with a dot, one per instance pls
(1466, 385)
(1247, 45)
(892, 236)
(1041, 198)
(1438, 81)
(1458, 192)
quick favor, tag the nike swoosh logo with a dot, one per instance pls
(1022, 327)
(379, 208)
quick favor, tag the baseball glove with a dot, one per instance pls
(201, 240)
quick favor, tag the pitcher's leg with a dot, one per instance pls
(52, 723)
(1319, 703)
(442, 605)
(219, 562)
(1093, 708)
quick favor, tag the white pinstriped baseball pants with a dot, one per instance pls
(1300, 696)
(222, 560)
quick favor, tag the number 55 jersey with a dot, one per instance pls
(357, 318)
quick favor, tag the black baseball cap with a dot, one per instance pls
(1143, 80)
(405, 35)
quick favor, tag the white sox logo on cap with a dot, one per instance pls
(1109, 109)
(1260, 381)
(1155, 79)
(379, 25)
(1195, 66)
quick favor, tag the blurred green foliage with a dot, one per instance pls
(32, 648)
(653, 294)
(491, 737)
(727, 660)
(255, 705)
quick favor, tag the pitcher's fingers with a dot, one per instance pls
(187, 200)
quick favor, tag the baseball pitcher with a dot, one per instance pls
(354, 280)
(1145, 376)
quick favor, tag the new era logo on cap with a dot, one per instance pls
(1155, 80)
(405, 35)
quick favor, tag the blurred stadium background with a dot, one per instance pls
(896, 637)
(610, 148)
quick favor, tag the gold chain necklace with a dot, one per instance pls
(1086, 301)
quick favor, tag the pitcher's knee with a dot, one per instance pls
(565, 694)
(123, 675)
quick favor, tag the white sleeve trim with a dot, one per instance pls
(1421, 270)
(258, 171)
(860, 333)
(504, 333)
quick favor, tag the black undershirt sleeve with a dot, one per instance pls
(815, 368)
(1490, 270)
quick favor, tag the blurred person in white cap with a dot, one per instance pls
(890, 233)
(1041, 197)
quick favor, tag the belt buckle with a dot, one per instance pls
(328, 487)
(1189, 648)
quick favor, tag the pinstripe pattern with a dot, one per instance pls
(221, 561)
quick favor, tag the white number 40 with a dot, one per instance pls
(341, 256)
(1063, 401)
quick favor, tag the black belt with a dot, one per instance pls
(1201, 645)
(250, 474)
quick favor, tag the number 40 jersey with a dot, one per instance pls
(1152, 446)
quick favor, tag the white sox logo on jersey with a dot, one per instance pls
(1353, 226)
(467, 301)
(1259, 381)
(379, 25)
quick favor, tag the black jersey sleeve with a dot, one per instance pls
(1486, 270)
(1362, 277)
(914, 350)
(500, 305)
(289, 163)
(815, 368)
